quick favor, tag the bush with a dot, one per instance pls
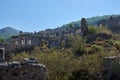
(64, 65)
(92, 30)
(96, 48)
(20, 56)
(103, 30)
(96, 30)
(117, 45)
(79, 45)
(82, 74)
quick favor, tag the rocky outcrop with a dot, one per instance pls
(29, 69)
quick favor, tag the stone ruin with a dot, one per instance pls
(84, 27)
(111, 68)
(28, 69)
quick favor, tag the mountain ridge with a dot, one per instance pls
(7, 32)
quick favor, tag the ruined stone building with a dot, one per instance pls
(25, 40)
(112, 23)
(54, 42)
(28, 69)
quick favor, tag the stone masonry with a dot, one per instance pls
(29, 69)
(111, 68)
(2, 55)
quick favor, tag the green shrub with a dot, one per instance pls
(36, 50)
(79, 45)
(82, 74)
(103, 30)
(117, 45)
(64, 65)
(97, 48)
(20, 56)
(92, 30)
(95, 30)
(2, 40)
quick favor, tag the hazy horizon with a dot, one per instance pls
(37, 15)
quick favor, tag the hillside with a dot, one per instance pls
(72, 27)
(91, 20)
(69, 56)
(7, 32)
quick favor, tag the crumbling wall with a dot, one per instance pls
(29, 69)
(111, 68)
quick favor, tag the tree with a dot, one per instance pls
(79, 45)
(84, 27)
(1, 40)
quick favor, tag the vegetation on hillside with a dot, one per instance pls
(91, 20)
(80, 58)
(82, 61)
(2, 40)
(61, 65)
(95, 30)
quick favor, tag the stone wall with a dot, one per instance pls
(2, 54)
(113, 23)
(29, 69)
(25, 40)
(111, 68)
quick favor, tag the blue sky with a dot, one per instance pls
(37, 15)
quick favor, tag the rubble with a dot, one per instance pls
(29, 69)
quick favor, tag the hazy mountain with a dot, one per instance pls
(7, 32)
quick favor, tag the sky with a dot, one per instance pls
(37, 15)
